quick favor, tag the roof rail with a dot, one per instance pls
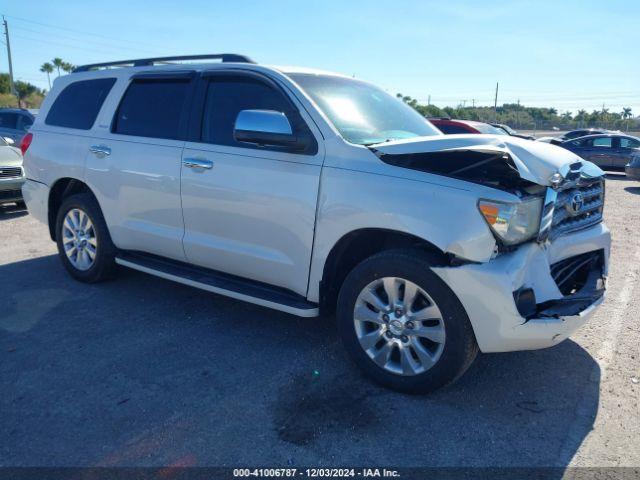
(146, 62)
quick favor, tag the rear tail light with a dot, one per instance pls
(26, 141)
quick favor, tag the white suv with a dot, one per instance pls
(309, 192)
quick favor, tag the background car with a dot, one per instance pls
(608, 150)
(583, 132)
(450, 126)
(11, 174)
(15, 122)
(512, 132)
(633, 167)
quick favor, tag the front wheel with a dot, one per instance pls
(402, 325)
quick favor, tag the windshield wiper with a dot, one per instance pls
(377, 143)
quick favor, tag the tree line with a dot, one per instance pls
(28, 95)
(531, 118)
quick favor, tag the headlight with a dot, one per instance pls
(512, 223)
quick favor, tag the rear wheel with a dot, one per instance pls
(84, 243)
(403, 325)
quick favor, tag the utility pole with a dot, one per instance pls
(429, 100)
(495, 104)
(12, 88)
(473, 103)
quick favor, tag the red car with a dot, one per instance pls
(449, 126)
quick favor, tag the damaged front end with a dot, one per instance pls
(573, 202)
(549, 270)
(580, 279)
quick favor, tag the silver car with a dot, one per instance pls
(11, 173)
(311, 192)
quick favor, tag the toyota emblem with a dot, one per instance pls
(576, 204)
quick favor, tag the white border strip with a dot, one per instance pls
(312, 312)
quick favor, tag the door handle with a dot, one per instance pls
(197, 163)
(100, 151)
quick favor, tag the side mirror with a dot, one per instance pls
(267, 128)
(8, 140)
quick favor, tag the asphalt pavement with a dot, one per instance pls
(140, 371)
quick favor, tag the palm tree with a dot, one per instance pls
(580, 117)
(58, 62)
(23, 90)
(48, 69)
(626, 115)
(67, 67)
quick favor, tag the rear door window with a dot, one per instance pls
(77, 106)
(8, 120)
(602, 142)
(154, 108)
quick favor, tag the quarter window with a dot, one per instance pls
(153, 108)
(24, 123)
(226, 97)
(78, 104)
(629, 143)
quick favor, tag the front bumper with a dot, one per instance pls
(36, 196)
(487, 292)
(11, 189)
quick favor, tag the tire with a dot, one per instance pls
(400, 342)
(102, 265)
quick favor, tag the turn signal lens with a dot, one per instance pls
(490, 212)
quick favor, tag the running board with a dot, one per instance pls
(220, 283)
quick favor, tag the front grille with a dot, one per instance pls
(10, 172)
(567, 217)
(571, 274)
(10, 194)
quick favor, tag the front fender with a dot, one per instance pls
(445, 216)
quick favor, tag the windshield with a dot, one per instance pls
(362, 113)
(486, 128)
(506, 128)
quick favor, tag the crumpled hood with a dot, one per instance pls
(535, 161)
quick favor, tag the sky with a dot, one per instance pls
(566, 54)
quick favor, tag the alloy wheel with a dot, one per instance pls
(399, 326)
(79, 239)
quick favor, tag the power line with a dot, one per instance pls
(74, 38)
(67, 45)
(120, 40)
